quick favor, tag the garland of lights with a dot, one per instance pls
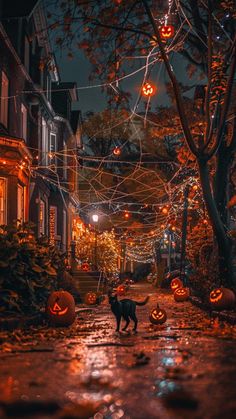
(165, 212)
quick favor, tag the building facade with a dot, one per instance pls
(39, 132)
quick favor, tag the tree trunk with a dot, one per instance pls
(223, 241)
(224, 160)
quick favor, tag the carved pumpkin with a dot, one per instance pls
(167, 31)
(91, 298)
(61, 308)
(181, 294)
(117, 151)
(85, 266)
(222, 299)
(176, 283)
(158, 316)
(121, 290)
(147, 89)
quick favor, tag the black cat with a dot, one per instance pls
(125, 308)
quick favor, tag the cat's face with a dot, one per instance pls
(112, 298)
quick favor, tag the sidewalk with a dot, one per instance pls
(184, 368)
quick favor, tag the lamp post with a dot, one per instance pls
(95, 221)
(184, 235)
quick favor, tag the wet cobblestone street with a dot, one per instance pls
(184, 368)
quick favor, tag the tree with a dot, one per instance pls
(107, 250)
(112, 31)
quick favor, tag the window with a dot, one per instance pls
(53, 148)
(3, 201)
(42, 224)
(52, 223)
(64, 231)
(44, 143)
(23, 122)
(65, 161)
(20, 203)
(4, 99)
(48, 88)
(26, 54)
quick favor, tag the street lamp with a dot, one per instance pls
(95, 218)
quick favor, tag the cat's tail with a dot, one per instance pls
(142, 303)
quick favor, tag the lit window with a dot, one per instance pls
(4, 99)
(3, 201)
(24, 121)
(20, 203)
(52, 223)
(42, 218)
(53, 148)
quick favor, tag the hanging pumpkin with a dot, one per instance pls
(176, 283)
(167, 31)
(60, 308)
(158, 316)
(85, 266)
(90, 298)
(117, 151)
(121, 290)
(222, 299)
(181, 294)
(147, 89)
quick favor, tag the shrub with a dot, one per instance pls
(29, 269)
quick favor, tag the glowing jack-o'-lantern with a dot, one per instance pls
(147, 89)
(181, 294)
(222, 299)
(158, 316)
(121, 290)
(91, 298)
(61, 308)
(176, 283)
(117, 151)
(85, 267)
(167, 31)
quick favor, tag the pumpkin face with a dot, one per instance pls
(121, 290)
(91, 298)
(222, 298)
(167, 31)
(158, 316)
(176, 283)
(147, 89)
(61, 308)
(181, 294)
(117, 151)
(85, 266)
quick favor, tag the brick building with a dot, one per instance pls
(39, 133)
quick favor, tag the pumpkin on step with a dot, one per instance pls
(158, 316)
(90, 298)
(60, 308)
(176, 283)
(222, 299)
(181, 294)
(85, 267)
(121, 290)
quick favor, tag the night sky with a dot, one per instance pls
(92, 99)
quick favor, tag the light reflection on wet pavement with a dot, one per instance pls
(183, 369)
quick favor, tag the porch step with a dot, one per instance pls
(86, 282)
